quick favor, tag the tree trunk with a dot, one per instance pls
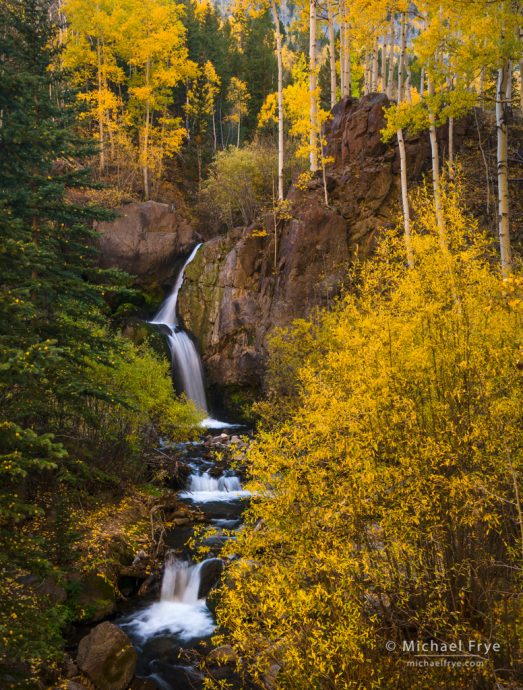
(342, 48)
(405, 198)
(436, 178)
(100, 112)
(374, 68)
(451, 148)
(348, 64)
(276, 21)
(390, 77)
(403, 51)
(332, 52)
(502, 167)
(313, 81)
(146, 134)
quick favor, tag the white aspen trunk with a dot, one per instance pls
(100, 110)
(403, 50)
(348, 65)
(436, 181)
(239, 129)
(502, 167)
(342, 48)
(390, 77)
(384, 64)
(276, 21)
(422, 82)
(382, 51)
(405, 198)
(332, 52)
(313, 79)
(374, 68)
(367, 76)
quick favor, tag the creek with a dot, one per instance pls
(164, 631)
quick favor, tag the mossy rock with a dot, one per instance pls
(93, 596)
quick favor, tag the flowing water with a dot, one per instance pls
(186, 361)
(180, 619)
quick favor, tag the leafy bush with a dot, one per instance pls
(141, 409)
(388, 506)
(241, 182)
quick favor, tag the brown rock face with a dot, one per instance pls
(239, 288)
(145, 240)
(107, 657)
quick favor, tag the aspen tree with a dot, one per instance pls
(390, 76)
(313, 87)
(332, 53)
(502, 168)
(436, 177)
(277, 32)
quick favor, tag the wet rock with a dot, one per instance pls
(145, 240)
(144, 684)
(107, 657)
(222, 655)
(179, 677)
(159, 648)
(209, 576)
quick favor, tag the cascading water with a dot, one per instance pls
(180, 618)
(180, 611)
(181, 582)
(184, 355)
(203, 488)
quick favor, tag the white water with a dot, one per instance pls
(184, 355)
(167, 312)
(179, 612)
(203, 488)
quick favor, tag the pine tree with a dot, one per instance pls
(51, 303)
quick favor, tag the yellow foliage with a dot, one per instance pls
(385, 505)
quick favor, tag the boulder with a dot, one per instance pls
(107, 657)
(222, 655)
(209, 575)
(146, 239)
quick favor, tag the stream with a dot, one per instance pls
(180, 619)
(165, 630)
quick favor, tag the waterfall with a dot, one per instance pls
(180, 611)
(204, 482)
(184, 355)
(181, 581)
(202, 488)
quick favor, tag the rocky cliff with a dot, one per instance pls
(146, 239)
(240, 286)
